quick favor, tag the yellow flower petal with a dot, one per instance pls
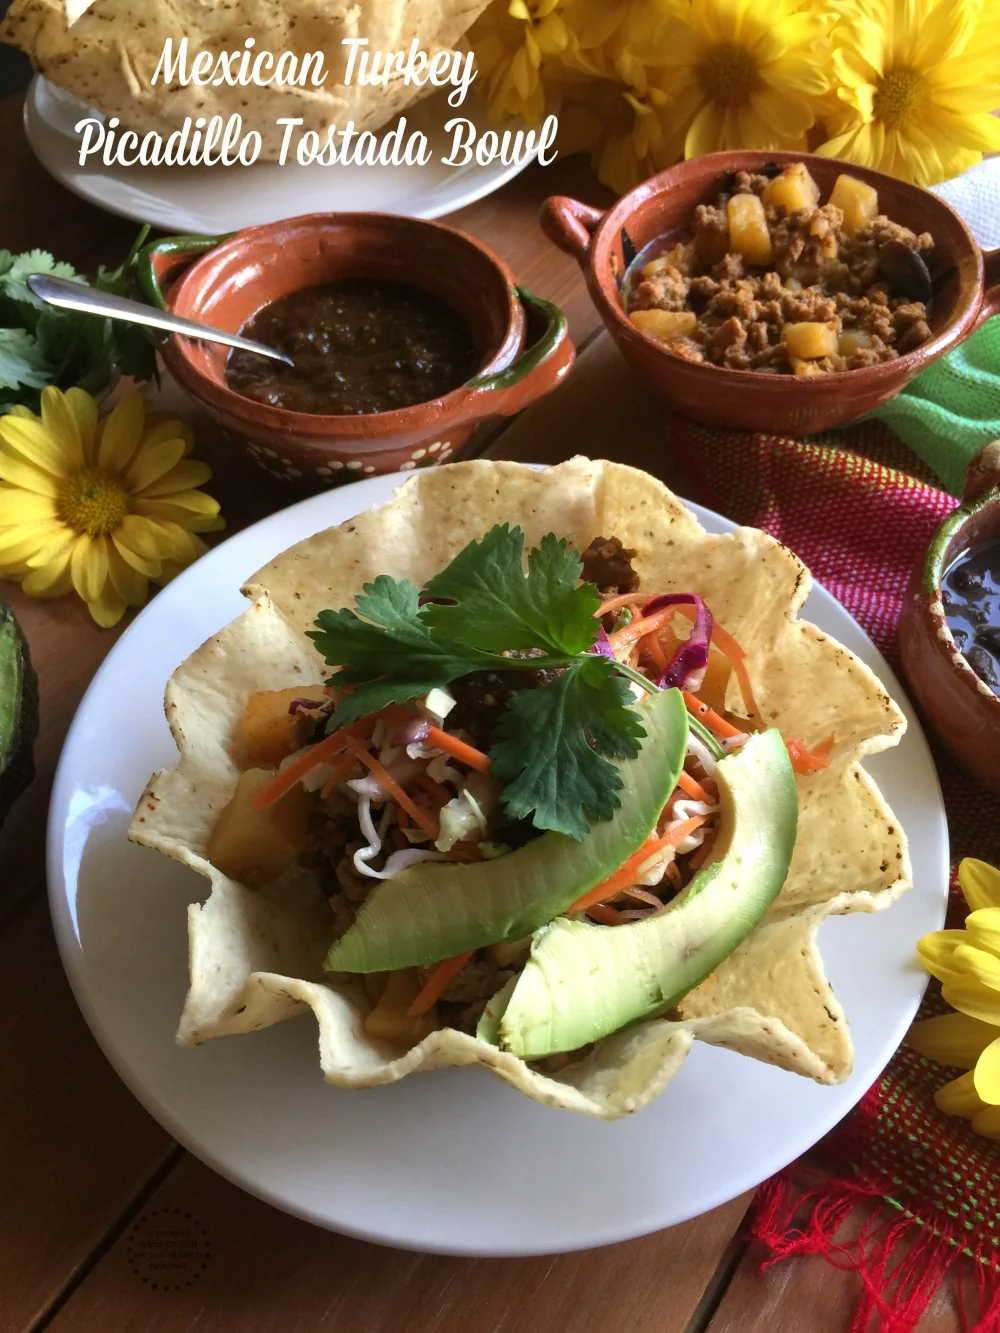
(60, 424)
(60, 541)
(980, 883)
(983, 929)
(978, 963)
(18, 472)
(17, 506)
(705, 133)
(971, 997)
(952, 1039)
(186, 476)
(109, 608)
(19, 542)
(85, 413)
(52, 579)
(120, 433)
(987, 1122)
(127, 547)
(88, 567)
(130, 585)
(153, 462)
(936, 950)
(959, 1097)
(33, 442)
(986, 1075)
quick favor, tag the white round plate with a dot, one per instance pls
(452, 1161)
(210, 200)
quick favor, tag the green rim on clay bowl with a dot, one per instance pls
(522, 341)
(959, 704)
(18, 711)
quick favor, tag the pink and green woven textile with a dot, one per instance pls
(860, 509)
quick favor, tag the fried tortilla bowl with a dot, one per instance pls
(256, 955)
(109, 56)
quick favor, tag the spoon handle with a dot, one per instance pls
(77, 296)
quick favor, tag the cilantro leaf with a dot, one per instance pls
(496, 605)
(555, 743)
(388, 650)
(22, 364)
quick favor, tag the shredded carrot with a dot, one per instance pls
(466, 754)
(440, 792)
(607, 915)
(627, 873)
(437, 983)
(340, 771)
(710, 717)
(805, 761)
(390, 784)
(319, 753)
(674, 873)
(629, 599)
(693, 788)
(651, 644)
(638, 629)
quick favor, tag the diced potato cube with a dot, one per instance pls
(748, 233)
(510, 953)
(793, 189)
(853, 340)
(270, 732)
(665, 324)
(810, 341)
(389, 1021)
(857, 200)
(254, 846)
(801, 367)
(655, 266)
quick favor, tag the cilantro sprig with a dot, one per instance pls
(554, 743)
(42, 346)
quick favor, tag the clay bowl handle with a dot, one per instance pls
(535, 372)
(570, 224)
(161, 263)
(983, 473)
(991, 288)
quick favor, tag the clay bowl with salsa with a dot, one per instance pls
(611, 246)
(949, 630)
(405, 336)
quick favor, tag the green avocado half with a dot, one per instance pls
(18, 711)
(583, 982)
(435, 910)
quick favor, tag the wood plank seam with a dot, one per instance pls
(113, 1234)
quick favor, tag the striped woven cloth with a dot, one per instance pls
(917, 1191)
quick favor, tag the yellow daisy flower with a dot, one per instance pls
(967, 963)
(743, 73)
(918, 79)
(511, 40)
(99, 506)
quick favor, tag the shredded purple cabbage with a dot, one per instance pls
(602, 645)
(308, 705)
(686, 669)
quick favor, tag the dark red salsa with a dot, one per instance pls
(970, 592)
(359, 345)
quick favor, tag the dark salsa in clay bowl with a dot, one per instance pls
(404, 334)
(779, 292)
(949, 629)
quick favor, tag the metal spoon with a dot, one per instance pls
(77, 296)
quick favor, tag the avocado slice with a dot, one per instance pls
(18, 711)
(435, 910)
(583, 981)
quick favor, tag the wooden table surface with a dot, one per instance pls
(82, 1164)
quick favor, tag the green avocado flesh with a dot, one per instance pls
(18, 711)
(435, 910)
(583, 981)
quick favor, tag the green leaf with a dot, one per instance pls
(496, 605)
(554, 745)
(22, 362)
(14, 280)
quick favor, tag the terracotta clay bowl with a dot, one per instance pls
(523, 341)
(967, 284)
(960, 706)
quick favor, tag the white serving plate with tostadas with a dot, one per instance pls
(451, 1161)
(212, 200)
